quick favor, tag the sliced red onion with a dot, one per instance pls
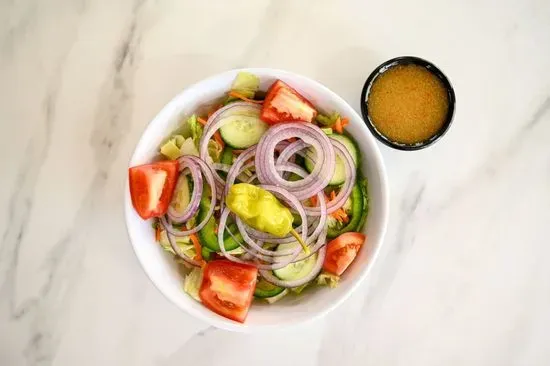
(222, 167)
(207, 172)
(193, 206)
(349, 165)
(322, 215)
(237, 167)
(262, 266)
(291, 149)
(284, 195)
(345, 190)
(177, 248)
(310, 135)
(216, 121)
(270, 277)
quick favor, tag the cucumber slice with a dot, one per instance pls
(182, 194)
(243, 130)
(278, 297)
(207, 234)
(335, 227)
(365, 211)
(226, 158)
(295, 271)
(265, 289)
(339, 175)
(206, 253)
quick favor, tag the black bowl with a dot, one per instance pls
(407, 60)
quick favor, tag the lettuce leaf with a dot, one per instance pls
(299, 289)
(178, 146)
(184, 242)
(189, 148)
(192, 283)
(327, 121)
(246, 84)
(214, 150)
(196, 129)
(327, 279)
(274, 299)
(171, 148)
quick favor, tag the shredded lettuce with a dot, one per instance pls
(189, 148)
(178, 146)
(246, 84)
(171, 148)
(327, 279)
(191, 222)
(348, 205)
(215, 150)
(184, 242)
(299, 289)
(327, 121)
(192, 283)
(274, 299)
(237, 251)
(327, 131)
(196, 129)
(333, 223)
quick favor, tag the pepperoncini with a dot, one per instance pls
(261, 210)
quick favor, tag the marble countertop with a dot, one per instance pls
(462, 278)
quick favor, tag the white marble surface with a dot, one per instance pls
(463, 278)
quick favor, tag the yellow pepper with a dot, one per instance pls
(261, 210)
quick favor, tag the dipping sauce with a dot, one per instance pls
(408, 104)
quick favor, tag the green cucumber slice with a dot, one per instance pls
(335, 227)
(339, 175)
(294, 271)
(363, 183)
(207, 234)
(182, 194)
(265, 289)
(226, 158)
(243, 130)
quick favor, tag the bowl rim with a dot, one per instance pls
(408, 60)
(227, 324)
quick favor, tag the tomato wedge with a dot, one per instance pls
(283, 104)
(152, 186)
(227, 288)
(342, 251)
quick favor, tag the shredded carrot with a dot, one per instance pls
(157, 232)
(338, 126)
(292, 139)
(345, 122)
(201, 120)
(237, 151)
(216, 229)
(339, 214)
(343, 216)
(313, 200)
(238, 95)
(218, 139)
(214, 110)
(198, 248)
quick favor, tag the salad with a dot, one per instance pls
(258, 198)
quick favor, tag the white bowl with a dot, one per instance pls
(160, 267)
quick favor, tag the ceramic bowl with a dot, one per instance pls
(291, 310)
